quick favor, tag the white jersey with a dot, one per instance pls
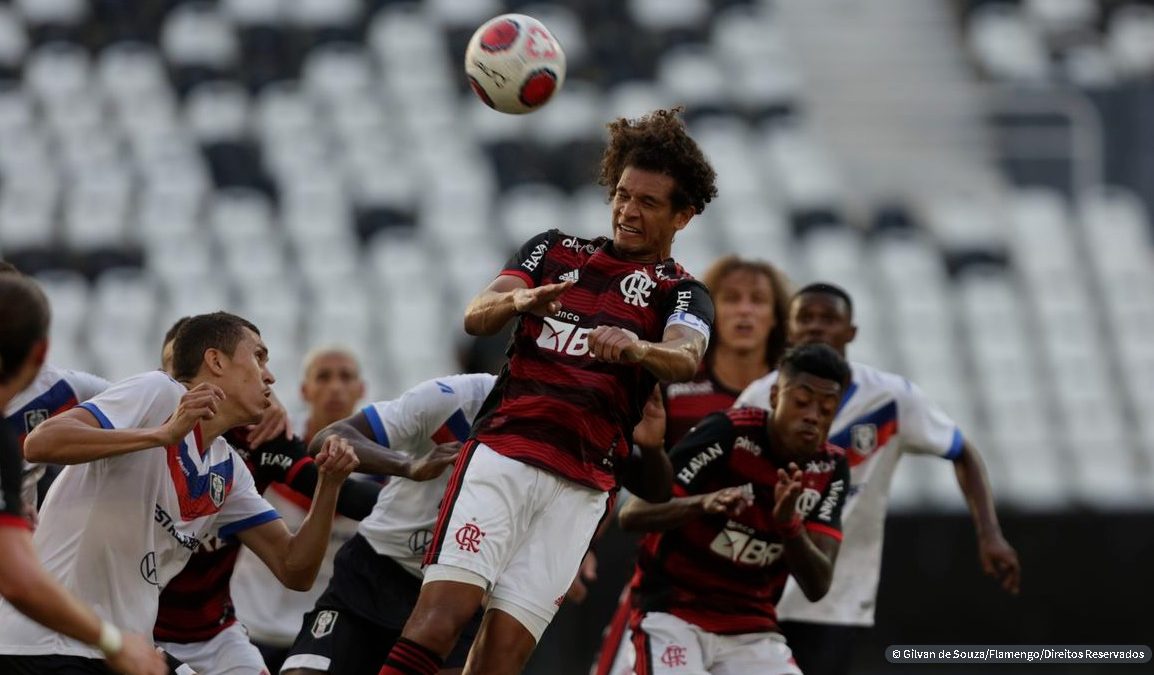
(433, 412)
(272, 613)
(881, 416)
(114, 531)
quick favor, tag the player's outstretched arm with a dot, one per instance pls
(76, 436)
(295, 559)
(997, 557)
(506, 297)
(810, 556)
(639, 515)
(378, 459)
(30, 589)
(674, 359)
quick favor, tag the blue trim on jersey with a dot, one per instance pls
(848, 395)
(879, 418)
(378, 427)
(459, 425)
(58, 396)
(956, 445)
(232, 529)
(91, 407)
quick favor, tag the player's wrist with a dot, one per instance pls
(792, 528)
(111, 641)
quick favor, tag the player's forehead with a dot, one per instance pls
(819, 301)
(744, 280)
(810, 384)
(331, 362)
(643, 182)
(250, 341)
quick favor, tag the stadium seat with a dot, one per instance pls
(1006, 44)
(217, 111)
(1130, 39)
(13, 40)
(197, 34)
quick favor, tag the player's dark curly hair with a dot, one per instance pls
(818, 360)
(659, 142)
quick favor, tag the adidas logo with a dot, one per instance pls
(571, 275)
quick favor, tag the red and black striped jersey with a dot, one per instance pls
(687, 403)
(554, 406)
(724, 574)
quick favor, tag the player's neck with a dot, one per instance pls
(736, 370)
(315, 423)
(212, 429)
(780, 451)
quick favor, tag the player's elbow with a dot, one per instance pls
(475, 323)
(817, 586)
(41, 448)
(631, 518)
(298, 579)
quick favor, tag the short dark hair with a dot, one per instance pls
(827, 289)
(818, 360)
(660, 143)
(197, 334)
(26, 316)
(8, 268)
(174, 329)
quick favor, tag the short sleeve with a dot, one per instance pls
(86, 385)
(701, 453)
(526, 262)
(925, 427)
(244, 507)
(140, 402)
(432, 409)
(826, 516)
(688, 304)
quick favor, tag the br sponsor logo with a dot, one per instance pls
(636, 287)
(699, 462)
(530, 263)
(744, 443)
(738, 544)
(564, 337)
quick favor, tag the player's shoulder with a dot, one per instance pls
(746, 418)
(877, 383)
(464, 384)
(832, 452)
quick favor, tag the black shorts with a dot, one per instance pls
(54, 664)
(361, 614)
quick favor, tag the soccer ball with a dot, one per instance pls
(514, 64)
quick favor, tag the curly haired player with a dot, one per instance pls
(599, 323)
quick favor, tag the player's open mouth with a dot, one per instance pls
(628, 230)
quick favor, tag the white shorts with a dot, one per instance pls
(672, 645)
(229, 653)
(517, 530)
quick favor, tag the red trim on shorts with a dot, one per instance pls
(452, 491)
(520, 275)
(642, 658)
(614, 635)
(11, 520)
(824, 529)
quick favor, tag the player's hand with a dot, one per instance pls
(650, 431)
(199, 403)
(786, 493)
(274, 422)
(542, 300)
(578, 590)
(730, 501)
(434, 464)
(137, 657)
(1000, 561)
(336, 460)
(614, 344)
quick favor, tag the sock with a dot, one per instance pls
(409, 658)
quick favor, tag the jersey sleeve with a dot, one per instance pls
(826, 517)
(756, 395)
(526, 262)
(700, 454)
(688, 304)
(429, 410)
(279, 460)
(140, 402)
(10, 481)
(244, 507)
(925, 427)
(86, 385)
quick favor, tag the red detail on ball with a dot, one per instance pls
(500, 36)
(538, 87)
(481, 93)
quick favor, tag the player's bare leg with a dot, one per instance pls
(503, 646)
(443, 610)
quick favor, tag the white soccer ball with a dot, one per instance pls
(514, 64)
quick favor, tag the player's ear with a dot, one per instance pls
(852, 333)
(773, 395)
(213, 361)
